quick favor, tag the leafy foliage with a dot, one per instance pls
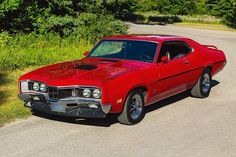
(93, 27)
(174, 7)
(64, 26)
(119, 8)
(60, 16)
(225, 9)
(4, 39)
(149, 5)
(230, 16)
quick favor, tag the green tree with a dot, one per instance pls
(60, 16)
(229, 11)
(201, 7)
(147, 5)
(225, 9)
(177, 7)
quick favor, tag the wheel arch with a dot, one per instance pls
(144, 90)
(208, 67)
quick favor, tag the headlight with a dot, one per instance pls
(24, 86)
(97, 93)
(43, 87)
(87, 93)
(36, 86)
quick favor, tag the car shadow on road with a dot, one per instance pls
(214, 83)
(112, 118)
(174, 99)
(167, 101)
(101, 122)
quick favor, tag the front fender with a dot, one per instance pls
(119, 88)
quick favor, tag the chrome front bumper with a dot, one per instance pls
(72, 106)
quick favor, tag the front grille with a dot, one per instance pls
(53, 93)
(65, 93)
(57, 93)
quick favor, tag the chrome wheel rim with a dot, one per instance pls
(135, 107)
(206, 83)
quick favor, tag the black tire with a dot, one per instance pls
(198, 90)
(126, 117)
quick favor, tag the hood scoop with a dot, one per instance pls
(86, 67)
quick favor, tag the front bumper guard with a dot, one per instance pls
(73, 106)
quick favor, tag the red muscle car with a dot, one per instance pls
(123, 74)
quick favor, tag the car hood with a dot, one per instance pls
(88, 71)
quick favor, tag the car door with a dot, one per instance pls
(173, 73)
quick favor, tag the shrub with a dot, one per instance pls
(164, 19)
(63, 26)
(225, 9)
(136, 17)
(150, 5)
(93, 27)
(230, 13)
(174, 7)
(26, 16)
(119, 8)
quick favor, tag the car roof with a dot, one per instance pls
(146, 37)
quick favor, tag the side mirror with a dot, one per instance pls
(164, 59)
(86, 53)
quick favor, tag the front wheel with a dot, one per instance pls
(133, 111)
(202, 88)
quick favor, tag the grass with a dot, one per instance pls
(10, 106)
(200, 19)
(24, 53)
(220, 27)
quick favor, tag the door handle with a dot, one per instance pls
(186, 62)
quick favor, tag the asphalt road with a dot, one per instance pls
(179, 126)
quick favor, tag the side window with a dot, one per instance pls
(174, 50)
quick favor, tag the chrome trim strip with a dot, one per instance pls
(76, 98)
(74, 86)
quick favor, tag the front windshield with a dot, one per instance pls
(125, 49)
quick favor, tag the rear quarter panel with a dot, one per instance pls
(205, 57)
(217, 61)
(213, 58)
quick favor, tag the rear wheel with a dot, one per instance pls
(202, 88)
(133, 111)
